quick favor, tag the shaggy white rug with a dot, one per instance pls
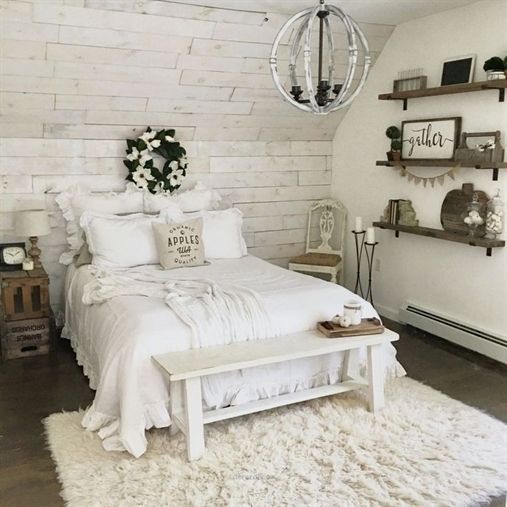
(423, 449)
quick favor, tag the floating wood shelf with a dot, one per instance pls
(488, 244)
(445, 163)
(495, 84)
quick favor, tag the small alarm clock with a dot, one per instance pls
(12, 256)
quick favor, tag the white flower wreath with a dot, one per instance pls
(139, 161)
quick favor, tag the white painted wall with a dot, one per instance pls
(80, 76)
(454, 279)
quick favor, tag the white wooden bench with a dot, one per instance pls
(186, 368)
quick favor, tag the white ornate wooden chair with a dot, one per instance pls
(324, 258)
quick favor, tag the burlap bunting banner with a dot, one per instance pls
(404, 171)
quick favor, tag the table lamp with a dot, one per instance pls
(33, 223)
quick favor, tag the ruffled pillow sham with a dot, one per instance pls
(197, 199)
(77, 199)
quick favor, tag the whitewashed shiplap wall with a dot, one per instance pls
(80, 76)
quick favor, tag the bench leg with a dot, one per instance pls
(175, 403)
(375, 378)
(350, 369)
(193, 418)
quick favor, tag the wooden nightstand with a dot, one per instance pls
(25, 314)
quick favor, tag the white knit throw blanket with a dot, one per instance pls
(216, 314)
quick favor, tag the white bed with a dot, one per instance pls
(114, 342)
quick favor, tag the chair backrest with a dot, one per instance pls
(332, 219)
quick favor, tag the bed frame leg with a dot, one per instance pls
(375, 378)
(194, 418)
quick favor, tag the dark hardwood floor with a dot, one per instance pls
(32, 388)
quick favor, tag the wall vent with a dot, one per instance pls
(481, 341)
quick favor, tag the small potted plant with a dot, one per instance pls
(394, 134)
(495, 68)
(505, 66)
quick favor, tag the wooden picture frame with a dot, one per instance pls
(430, 139)
(458, 70)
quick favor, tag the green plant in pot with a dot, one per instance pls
(394, 134)
(495, 68)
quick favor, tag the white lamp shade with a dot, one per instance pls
(32, 223)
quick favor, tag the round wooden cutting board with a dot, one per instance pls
(454, 209)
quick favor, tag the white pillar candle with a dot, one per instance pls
(359, 224)
(370, 235)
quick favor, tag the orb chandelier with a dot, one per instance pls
(330, 95)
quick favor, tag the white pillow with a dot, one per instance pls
(120, 241)
(78, 199)
(198, 199)
(221, 232)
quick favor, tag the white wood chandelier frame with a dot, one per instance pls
(347, 93)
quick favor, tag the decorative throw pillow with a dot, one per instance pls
(179, 245)
(77, 199)
(198, 199)
(221, 234)
(120, 241)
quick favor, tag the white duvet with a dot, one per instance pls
(216, 313)
(114, 342)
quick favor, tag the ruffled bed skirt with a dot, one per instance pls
(81, 356)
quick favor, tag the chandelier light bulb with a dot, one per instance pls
(329, 95)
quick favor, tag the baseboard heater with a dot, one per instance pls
(481, 341)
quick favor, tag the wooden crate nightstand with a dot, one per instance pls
(25, 317)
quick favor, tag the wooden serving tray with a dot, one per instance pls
(367, 326)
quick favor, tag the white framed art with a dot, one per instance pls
(458, 70)
(435, 138)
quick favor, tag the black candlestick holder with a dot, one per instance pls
(358, 288)
(369, 258)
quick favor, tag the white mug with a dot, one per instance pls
(352, 310)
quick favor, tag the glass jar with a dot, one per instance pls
(475, 216)
(495, 216)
